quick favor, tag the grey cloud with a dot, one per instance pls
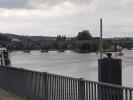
(118, 27)
(82, 14)
(73, 1)
(14, 4)
(24, 4)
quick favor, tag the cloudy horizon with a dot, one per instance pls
(66, 17)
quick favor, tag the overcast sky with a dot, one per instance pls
(66, 17)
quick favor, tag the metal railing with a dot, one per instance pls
(32, 85)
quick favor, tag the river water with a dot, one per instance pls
(70, 64)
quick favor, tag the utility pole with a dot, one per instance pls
(101, 42)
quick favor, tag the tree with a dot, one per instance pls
(94, 46)
(59, 37)
(63, 37)
(85, 46)
(84, 35)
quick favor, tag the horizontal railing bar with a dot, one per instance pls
(62, 76)
(110, 85)
(27, 70)
(99, 83)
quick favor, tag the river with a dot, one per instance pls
(70, 64)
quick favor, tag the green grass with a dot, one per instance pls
(6, 95)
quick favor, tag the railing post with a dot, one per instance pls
(45, 86)
(81, 89)
(23, 84)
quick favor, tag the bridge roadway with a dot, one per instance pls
(123, 43)
(45, 42)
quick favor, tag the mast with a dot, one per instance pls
(101, 42)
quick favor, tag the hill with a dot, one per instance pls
(4, 38)
(26, 38)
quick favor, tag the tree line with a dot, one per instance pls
(89, 43)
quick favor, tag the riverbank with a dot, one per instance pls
(5, 95)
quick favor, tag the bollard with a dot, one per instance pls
(110, 71)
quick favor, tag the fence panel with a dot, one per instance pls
(32, 85)
(62, 88)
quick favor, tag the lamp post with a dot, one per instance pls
(101, 43)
